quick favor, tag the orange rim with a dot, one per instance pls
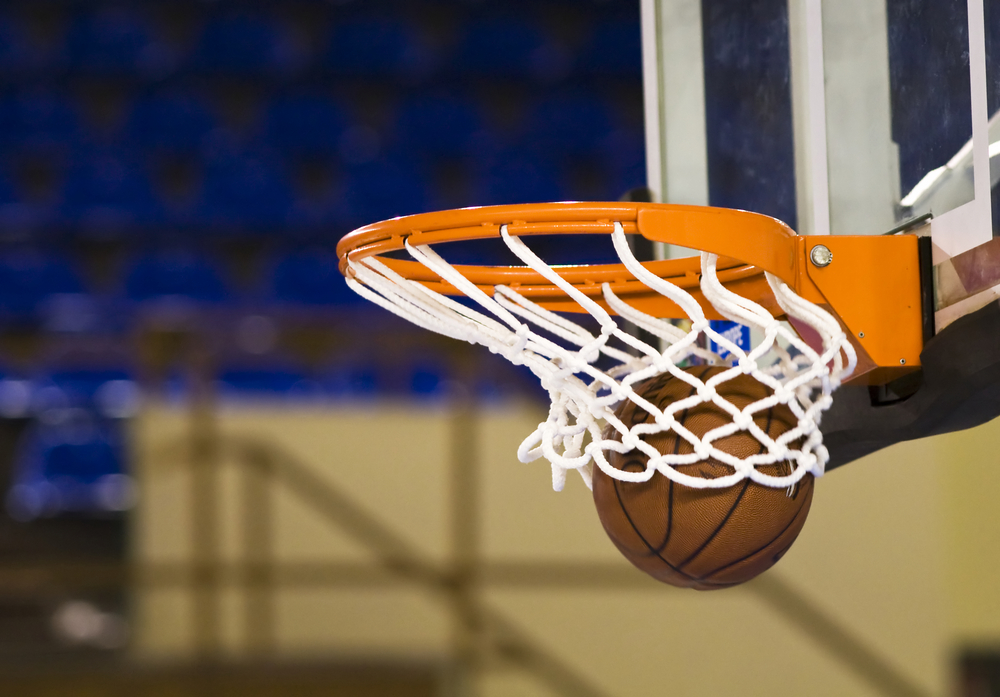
(744, 236)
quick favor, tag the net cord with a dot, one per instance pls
(581, 425)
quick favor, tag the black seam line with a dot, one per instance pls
(621, 504)
(732, 509)
(670, 517)
(757, 551)
(708, 540)
(670, 495)
(643, 537)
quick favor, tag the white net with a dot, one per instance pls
(564, 355)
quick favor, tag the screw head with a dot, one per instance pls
(820, 256)
(902, 361)
(861, 335)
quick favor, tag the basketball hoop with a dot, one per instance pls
(752, 270)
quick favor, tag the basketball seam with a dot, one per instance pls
(732, 509)
(670, 487)
(628, 517)
(718, 529)
(670, 517)
(645, 541)
(763, 547)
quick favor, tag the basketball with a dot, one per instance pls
(702, 538)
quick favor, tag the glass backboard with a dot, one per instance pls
(856, 117)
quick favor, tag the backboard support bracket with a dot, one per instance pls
(959, 389)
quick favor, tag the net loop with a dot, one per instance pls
(581, 427)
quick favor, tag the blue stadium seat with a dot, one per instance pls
(516, 178)
(17, 213)
(175, 274)
(21, 53)
(625, 158)
(305, 123)
(16, 54)
(376, 47)
(502, 48)
(264, 383)
(310, 278)
(29, 278)
(109, 392)
(438, 125)
(384, 189)
(106, 191)
(8, 190)
(179, 121)
(353, 381)
(15, 396)
(84, 462)
(614, 48)
(317, 212)
(38, 118)
(246, 191)
(624, 147)
(112, 40)
(568, 124)
(427, 380)
(75, 466)
(84, 384)
(246, 44)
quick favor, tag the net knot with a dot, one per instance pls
(516, 344)
(743, 421)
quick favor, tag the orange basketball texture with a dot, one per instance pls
(702, 538)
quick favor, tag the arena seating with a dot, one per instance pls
(161, 162)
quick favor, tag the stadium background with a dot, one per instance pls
(221, 471)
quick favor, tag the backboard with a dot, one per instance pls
(849, 117)
(837, 117)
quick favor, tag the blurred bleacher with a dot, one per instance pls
(301, 120)
(191, 165)
(174, 177)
